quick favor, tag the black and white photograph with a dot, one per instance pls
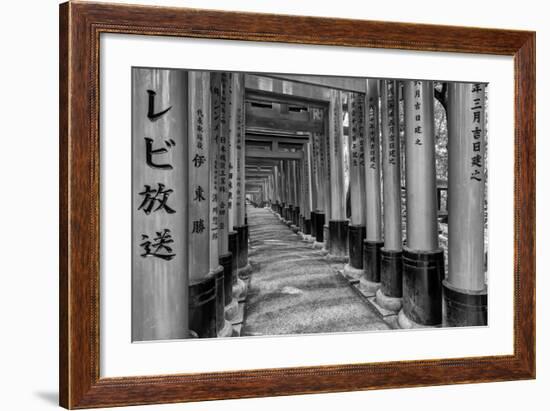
(268, 204)
(214, 205)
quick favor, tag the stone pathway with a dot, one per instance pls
(293, 290)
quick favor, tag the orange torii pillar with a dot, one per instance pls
(271, 190)
(373, 240)
(357, 230)
(159, 246)
(305, 185)
(321, 182)
(314, 187)
(292, 184)
(465, 288)
(391, 261)
(203, 303)
(220, 85)
(338, 224)
(266, 191)
(423, 259)
(234, 100)
(299, 194)
(327, 172)
(277, 185)
(239, 170)
(289, 192)
(223, 326)
(284, 190)
(276, 194)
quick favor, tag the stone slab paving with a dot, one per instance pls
(294, 290)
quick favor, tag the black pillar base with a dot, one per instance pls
(319, 224)
(463, 308)
(423, 272)
(307, 227)
(242, 254)
(356, 235)
(296, 217)
(313, 219)
(285, 212)
(220, 300)
(289, 215)
(391, 273)
(202, 307)
(233, 247)
(229, 281)
(371, 260)
(326, 236)
(226, 262)
(338, 234)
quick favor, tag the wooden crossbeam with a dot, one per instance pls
(259, 173)
(262, 162)
(358, 85)
(286, 88)
(271, 138)
(271, 119)
(273, 155)
(261, 169)
(255, 131)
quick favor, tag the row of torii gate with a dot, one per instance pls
(221, 134)
(302, 179)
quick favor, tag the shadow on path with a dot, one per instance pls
(293, 290)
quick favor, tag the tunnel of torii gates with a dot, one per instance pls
(277, 141)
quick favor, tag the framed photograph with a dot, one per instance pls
(258, 205)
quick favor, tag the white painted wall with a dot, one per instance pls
(28, 205)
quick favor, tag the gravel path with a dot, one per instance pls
(293, 290)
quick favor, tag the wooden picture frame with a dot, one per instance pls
(80, 27)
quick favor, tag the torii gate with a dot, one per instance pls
(209, 155)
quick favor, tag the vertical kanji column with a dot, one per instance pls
(391, 261)
(202, 278)
(373, 241)
(220, 134)
(357, 229)
(338, 224)
(423, 260)
(159, 205)
(240, 200)
(465, 288)
(235, 102)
